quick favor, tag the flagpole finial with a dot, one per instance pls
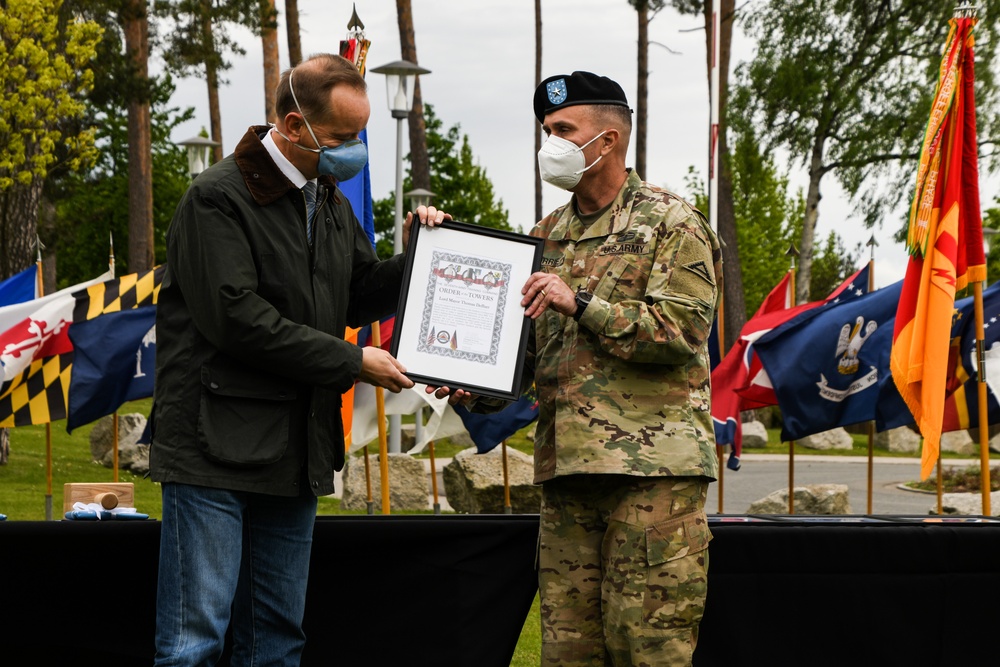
(966, 11)
(872, 243)
(792, 252)
(355, 22)
(39, 246)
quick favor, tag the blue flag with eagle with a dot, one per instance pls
(830, 365)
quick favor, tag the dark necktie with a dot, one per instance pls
(309, 190)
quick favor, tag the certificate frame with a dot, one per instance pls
(459, 322)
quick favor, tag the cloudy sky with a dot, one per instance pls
(481, 57)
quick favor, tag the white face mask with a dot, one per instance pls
(562, 163)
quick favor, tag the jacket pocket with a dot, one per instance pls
(244, 417)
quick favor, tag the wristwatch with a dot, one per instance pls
(582, 301)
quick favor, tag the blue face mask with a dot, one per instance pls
(342, 162)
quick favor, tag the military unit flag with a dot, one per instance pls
(945, 242)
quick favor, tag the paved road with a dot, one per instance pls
(762, 474)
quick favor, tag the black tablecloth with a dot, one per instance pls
(454, 591)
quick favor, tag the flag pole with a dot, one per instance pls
(114, 415)
(940, 483)
(713, 197)
(368, 481)
(872, 243)
(383, 447)
(358, 54)
(970, 11)
(434, 480)
(40, 281)
(984, 425)
(792, 252)
(506, 479)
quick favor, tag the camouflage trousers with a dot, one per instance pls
(623, 569)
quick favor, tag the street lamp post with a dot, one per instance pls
(400, 80)
(198, 148)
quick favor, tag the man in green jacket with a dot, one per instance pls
(266, 267)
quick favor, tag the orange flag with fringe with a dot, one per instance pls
(945, 242)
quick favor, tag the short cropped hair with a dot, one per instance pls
(314, 78)
(608, 114)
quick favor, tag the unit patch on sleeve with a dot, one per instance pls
(700, 269)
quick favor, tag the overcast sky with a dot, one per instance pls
(481, 57)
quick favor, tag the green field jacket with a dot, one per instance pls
(251, 361)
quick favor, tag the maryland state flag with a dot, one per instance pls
(945, 242)
(37, 353)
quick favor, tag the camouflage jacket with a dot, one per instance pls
(627, 389)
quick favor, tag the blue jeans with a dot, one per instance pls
(232, 554)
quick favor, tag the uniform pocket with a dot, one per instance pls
(677, 559)
(622, 281)
(244, 417)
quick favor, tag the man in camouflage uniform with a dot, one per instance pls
(624, 445)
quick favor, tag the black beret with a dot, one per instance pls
(564, 90)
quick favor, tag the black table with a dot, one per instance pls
(454, 590)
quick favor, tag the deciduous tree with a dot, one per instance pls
(845, 88)
(45, 60)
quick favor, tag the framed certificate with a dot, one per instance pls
(459, 323)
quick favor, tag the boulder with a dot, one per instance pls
(836, 438)
(474, 483)
(754, 435)
(131, 455)
(959, 442)
(966, 503)
(810, 499)
(902, 439)
(409, 485)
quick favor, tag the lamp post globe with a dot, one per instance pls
(198, 148)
